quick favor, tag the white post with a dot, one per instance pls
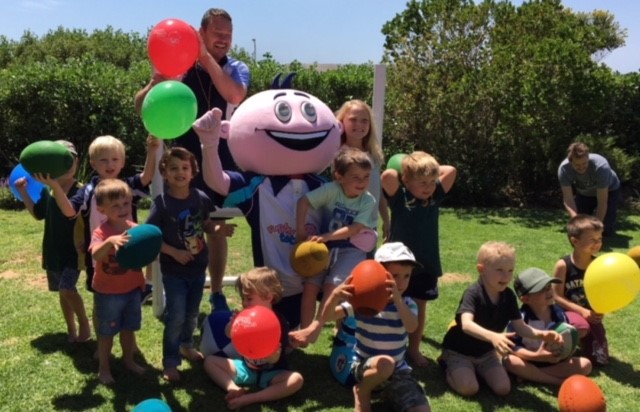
(157, 187)
(379, 87)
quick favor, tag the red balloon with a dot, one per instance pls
(580, 394)
(370, 294)
(255, 332)
(173, 47)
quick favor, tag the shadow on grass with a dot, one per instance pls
(619, 371)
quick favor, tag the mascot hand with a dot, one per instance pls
(208, 127)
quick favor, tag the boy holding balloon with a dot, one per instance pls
(256, 335)
(585, 235)
(61, 257)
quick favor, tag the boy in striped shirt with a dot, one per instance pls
(379, 353)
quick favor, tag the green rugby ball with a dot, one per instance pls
(46, 157)
(142, 248)
(569, 335)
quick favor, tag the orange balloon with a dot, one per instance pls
(634, 253)
(580, 394)
(370, 294)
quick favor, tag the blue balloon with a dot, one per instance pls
(34, 188)
(152, 405)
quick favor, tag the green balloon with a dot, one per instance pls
(169, 109)
(395, 162)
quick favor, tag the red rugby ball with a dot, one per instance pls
(370, 293)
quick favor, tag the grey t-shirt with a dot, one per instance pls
(599, 175)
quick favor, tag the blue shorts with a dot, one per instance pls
(116, 312)
(64, 280)
(245, 376)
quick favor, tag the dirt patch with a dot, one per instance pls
(453, 277)
(9, 274)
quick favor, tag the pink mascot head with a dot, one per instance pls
(283, 132)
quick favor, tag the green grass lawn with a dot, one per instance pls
(39, 371)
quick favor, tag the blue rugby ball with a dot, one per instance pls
(142, 248)
(46, 157)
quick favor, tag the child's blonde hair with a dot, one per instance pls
(106, 143)
(371, 142)
(491, 251)
(419, 164)
(111, 189)
(350, 156)
(581, 223)
(261, 280)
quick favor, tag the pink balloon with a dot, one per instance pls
(255, 332)
(173, 47)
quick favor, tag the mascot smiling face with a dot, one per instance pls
(283, 132)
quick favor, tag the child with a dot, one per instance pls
(379, 363)
(359, 131)
(530, 360)
(585, 236)
(116, 290)
(107, 158)
(260, 286)
(477, 341)
(182, 213)
(348, 208)
(59, 255)
(414, 198)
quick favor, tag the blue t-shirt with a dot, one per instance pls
(182, 224)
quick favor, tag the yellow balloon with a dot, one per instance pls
(611, 282)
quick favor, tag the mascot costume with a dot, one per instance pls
(280, 139)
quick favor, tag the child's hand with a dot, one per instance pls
(21, 185)
(119, 240)
(44, 179)
(225, 229)
(153, 143)
(207, 127)
(503, 342)
(392, 288)
(344, 291)
(551, 336)
(545, 355)
(323, 238)
(181, 256)
(592, 317)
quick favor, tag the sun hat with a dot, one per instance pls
(532, 280)
(395, 252)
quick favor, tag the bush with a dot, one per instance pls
(8, 201)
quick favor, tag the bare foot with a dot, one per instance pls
(191, 354)
(135, 368)
(171, 374)
(418, 359)
(105, 377)
(303, 337)
(71, 337)
(85, 334)
(236, 398)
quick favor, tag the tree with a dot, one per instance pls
(498, 90)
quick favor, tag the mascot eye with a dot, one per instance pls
(283, 111)
(309, 111)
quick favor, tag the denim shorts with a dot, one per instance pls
(401, 390)
(116, 312)
(64, 280)
(245, 376)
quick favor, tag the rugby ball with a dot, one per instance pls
(370, 295)
(46, 157)
(309, 258)
(569, 335)
(214, 337)
(142, 248)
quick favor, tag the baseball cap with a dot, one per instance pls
(70, 147)
(532, 280)
(395, 252)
